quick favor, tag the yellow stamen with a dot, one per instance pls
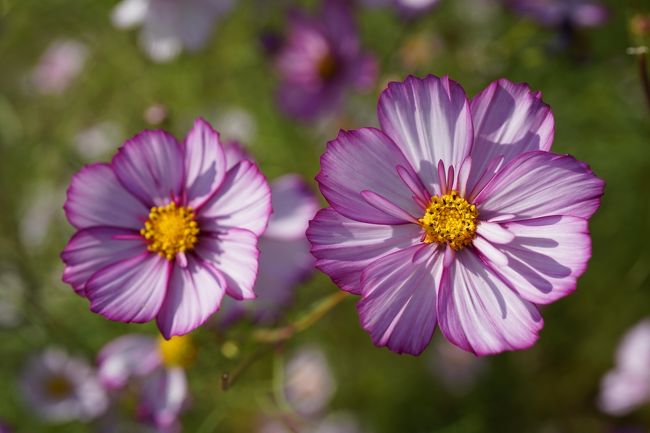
(177, 351)
(449, 219)
(170, 230)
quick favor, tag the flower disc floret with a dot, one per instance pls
(170, 230)
(449, 219)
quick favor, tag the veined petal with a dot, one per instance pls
(398, 307)
(537, 184)
(194, 294)
(127, 356)
(509, 119)
(344, 247)
(242, 201)
(96, 198)
(294, 204)
(92, 249)
(430, 120)
(205, 163)
(365, 159)
(234, 253)
(479, 313)
(150, 166)
(131, 290)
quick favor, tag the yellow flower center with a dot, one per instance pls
(449, 219)
(58, 387)
(170, 230)
(177, 351)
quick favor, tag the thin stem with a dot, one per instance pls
(643, 71)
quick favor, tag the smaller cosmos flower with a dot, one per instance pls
(454, 214)
(309, 383)
(61, 63)
(169, 26)
(562, 13)
(321, 59)
(160, 366)
(166, 230)
(60, 388)
(627, 386)
(284, 259)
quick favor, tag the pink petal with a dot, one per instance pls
(96, 198)
(365, 159)
(430, 120)
(126, 357)
(294, 204)
(131, 290)
(398, 308)
(234, 254)
(92, 249)
(205, 163)
(622, 392)
(633, 353)
(479, 313)
(235, 153)
(546, 257)
(242, 201)
(150, 166)
(163, 395)
(537, 184)
(194, 293)
(344, 247)
(509, 119)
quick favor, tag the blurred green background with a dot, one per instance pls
(601, 118)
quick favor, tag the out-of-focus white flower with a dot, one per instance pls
(97, 140)
(236, 124)
(309, 382)
(60, 388)
(169, 26)
(42, 208)
(60, 64)
(456, 369)
(337, 422)
(12, 290)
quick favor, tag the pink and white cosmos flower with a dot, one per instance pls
(165, 230)
(454, 214)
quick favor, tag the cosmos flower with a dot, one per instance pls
(557, 13)
(309, 384)
(454, 214)
(627, 386)
(169, 26)
(165, 230)
(284, 259)
(320, 60)
(159, 365)
(60, 388)
(57, 68)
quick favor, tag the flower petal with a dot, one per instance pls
(131, 290)
(398, 308)
(622, 392)
(479, 313)
(294, 204)
(163, 395)
(365, 159)
(92, 249)
(235, 153)
(194, 294)
(633, 353)
(127, 356)
(537, 184)
(242, 201)
(96, 198)
(344, 247)
(235, 255)
(150, 166)
(509, 119)
(205, 163)
(430, 120)
(546, 257)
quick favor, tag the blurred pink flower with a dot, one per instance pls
(309, 383)
(169, 26)
(60, 388)
(165, 230)
(321, 60)
(454, 214)
(61, 63)
(456, 369)
(627, 386)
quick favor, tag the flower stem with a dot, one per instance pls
(641, 54)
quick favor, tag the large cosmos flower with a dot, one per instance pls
(454, 214)
(320, 60)
(165, 230)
